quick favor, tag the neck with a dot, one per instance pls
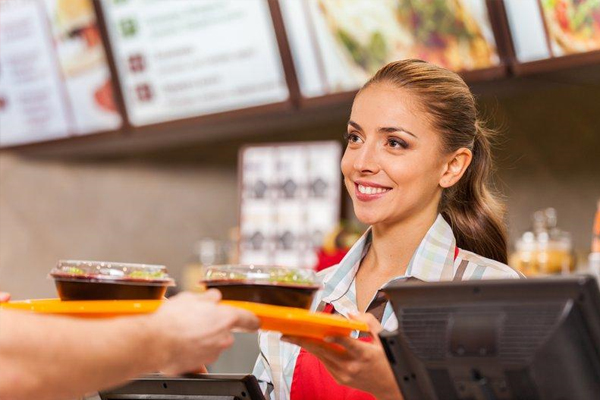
(393, 245)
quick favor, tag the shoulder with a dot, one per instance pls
(474, 266)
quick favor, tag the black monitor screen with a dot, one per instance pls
(504, 339)
(189, 387)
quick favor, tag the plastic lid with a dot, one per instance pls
(102, 271)
(259, 274)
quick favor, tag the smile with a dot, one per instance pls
(371, 190)
(366, 192)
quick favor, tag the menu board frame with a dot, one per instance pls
(296, 102)
(519, 68)
(118, 94)
(497, 72)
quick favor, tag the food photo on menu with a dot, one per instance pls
(82, 57)
(573, 25)
(455, 34)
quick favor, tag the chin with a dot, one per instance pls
(367, 217)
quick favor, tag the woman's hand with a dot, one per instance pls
(354, 363)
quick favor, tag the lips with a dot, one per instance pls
(367, 191)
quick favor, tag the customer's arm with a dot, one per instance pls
(49, 357)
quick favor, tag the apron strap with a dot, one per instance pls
(460, 272)
(377, 306)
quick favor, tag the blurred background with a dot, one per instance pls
(195, 132)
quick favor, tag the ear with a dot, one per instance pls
(455, 167)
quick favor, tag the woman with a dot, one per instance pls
(416, 166)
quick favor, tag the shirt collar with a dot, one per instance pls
(434, 258)
(339, 281)
(432, 261)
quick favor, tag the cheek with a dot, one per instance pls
(415, 173)
(347, 173)
(346, 164)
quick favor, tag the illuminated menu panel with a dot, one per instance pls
(187, 58)
(543, 29)
(32, 103)
(338, 44)
(527, 30)
(54, 77)
(84, 68)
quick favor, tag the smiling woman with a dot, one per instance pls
(424, 159)
(416, 166)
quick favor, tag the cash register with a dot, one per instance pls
(530, 339)
(188, 387)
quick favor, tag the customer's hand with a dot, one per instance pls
(194, 330)
(354, 363)
(4, 297)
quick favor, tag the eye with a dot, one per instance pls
(397, 143)
(352, 138)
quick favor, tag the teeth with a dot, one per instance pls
(371, 190)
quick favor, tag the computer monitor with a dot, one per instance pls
(188, 387)
(504, 339)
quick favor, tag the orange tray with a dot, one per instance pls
(87, 308)
(287, 320)
(299, 322)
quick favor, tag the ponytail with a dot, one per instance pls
(472, 209)
(470, 206)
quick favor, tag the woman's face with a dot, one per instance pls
(393, 162)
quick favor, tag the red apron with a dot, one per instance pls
(312, 381)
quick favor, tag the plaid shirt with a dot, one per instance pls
(432, 261)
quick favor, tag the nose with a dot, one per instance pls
(366, 159)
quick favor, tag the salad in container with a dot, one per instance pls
(278, 286)
(101, 280)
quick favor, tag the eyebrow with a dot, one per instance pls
(385, 129)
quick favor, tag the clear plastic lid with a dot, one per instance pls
(112, 272)
(259, 274)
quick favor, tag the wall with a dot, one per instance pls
(549, 156)
(117, 210)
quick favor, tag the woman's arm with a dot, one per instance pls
(50, 357)
(354, 363)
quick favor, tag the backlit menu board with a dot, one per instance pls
(290, 199)
(338, 44)
(543, 29)
(188, 58)
(84, 68)
(32, 106)
(54, 78)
